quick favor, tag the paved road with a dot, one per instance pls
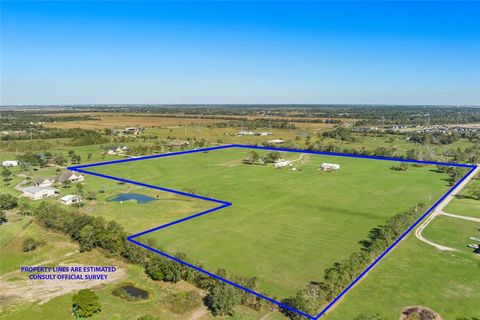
(439, 211)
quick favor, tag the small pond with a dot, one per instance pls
(140, 198)
(135, 292)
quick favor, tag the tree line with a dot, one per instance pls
(95, 232)
(469, 155)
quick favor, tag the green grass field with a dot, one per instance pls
(284, 227)
(137, 217)
(418, 274)
(465, 204)
(415, 273)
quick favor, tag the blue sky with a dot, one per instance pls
(66, 52)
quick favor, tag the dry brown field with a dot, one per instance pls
(116, 120)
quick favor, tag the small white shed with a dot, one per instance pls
(10, 163)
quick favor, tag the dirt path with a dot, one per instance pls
(439, 211)
(19, 185)
(473, 219)
(199, 313)
(265, 317)
(299, 158)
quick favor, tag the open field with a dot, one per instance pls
(170, 207)
(122, 121)
(146, 119)
(136, 217)
(416, 274)
(136, 120)
(465, 204)
(322, 222)
(12, 255)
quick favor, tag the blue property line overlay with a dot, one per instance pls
(224, 204)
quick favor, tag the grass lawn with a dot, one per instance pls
(285, 227)
(465, 204)
(55, 244)
(415, 273)
(136, 217)
(14, 225)
(453, 232)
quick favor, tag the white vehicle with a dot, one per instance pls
(473, 246)
(475, 239)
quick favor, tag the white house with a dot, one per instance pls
(329, 166)
(133, 130)
(276, 141)
(36, 193)
(280, 163)
(246, 133)
(10, 163)
(176, 143)
(70, 199)
(117, 150)
(44, 182)
(70, 176)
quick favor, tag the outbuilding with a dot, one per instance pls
(329, 166)
(10, 163)
(280, 163)
(37, 193)
(70, 199)
(276, 141)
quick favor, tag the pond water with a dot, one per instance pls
(135, 292)
(140, 198)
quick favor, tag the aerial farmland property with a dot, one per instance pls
(239, 160)
(285, 225)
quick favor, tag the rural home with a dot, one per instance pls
(132, 130)
(37, 193)
(280, 163)
(117, 150)
(177, 143)
(10, 163)
(70, 176)
(246, 133)
(44, 182)
(70, 199)
(329, 166)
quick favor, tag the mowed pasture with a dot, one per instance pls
(416, 273)
(465, 203)
(285, 227)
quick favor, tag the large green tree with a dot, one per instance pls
(7, 201)
(6, 175)
(86, 303)
(222, 299)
